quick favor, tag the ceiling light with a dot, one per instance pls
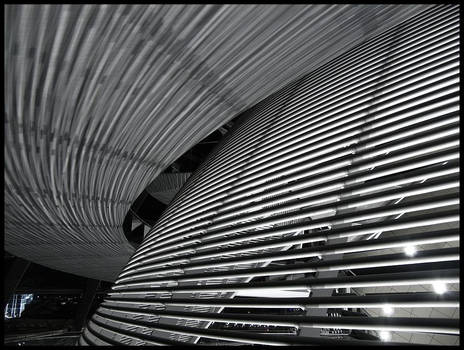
(385, 335)
(410, 250)
(387, 310)
(439, 287)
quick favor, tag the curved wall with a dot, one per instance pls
(100, 99)
(307, 206)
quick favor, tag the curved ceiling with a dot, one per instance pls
(99, 99)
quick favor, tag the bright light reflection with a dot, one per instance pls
(439, 287)
(385, 335)
(273, 293)
(410, 250)
(388, 310)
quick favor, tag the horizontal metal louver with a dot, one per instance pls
(302, 214)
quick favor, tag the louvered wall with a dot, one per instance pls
(359, 156)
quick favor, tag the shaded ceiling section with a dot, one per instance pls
(165, 186)
(100, 99)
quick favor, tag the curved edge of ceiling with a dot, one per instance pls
(100, 99)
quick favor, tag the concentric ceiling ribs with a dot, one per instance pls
(100, 99)
(304, 211)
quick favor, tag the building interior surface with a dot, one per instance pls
(230, 175)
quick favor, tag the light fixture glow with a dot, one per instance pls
(410, 250)
(388, 310)
(439, 287)
(385, 335)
